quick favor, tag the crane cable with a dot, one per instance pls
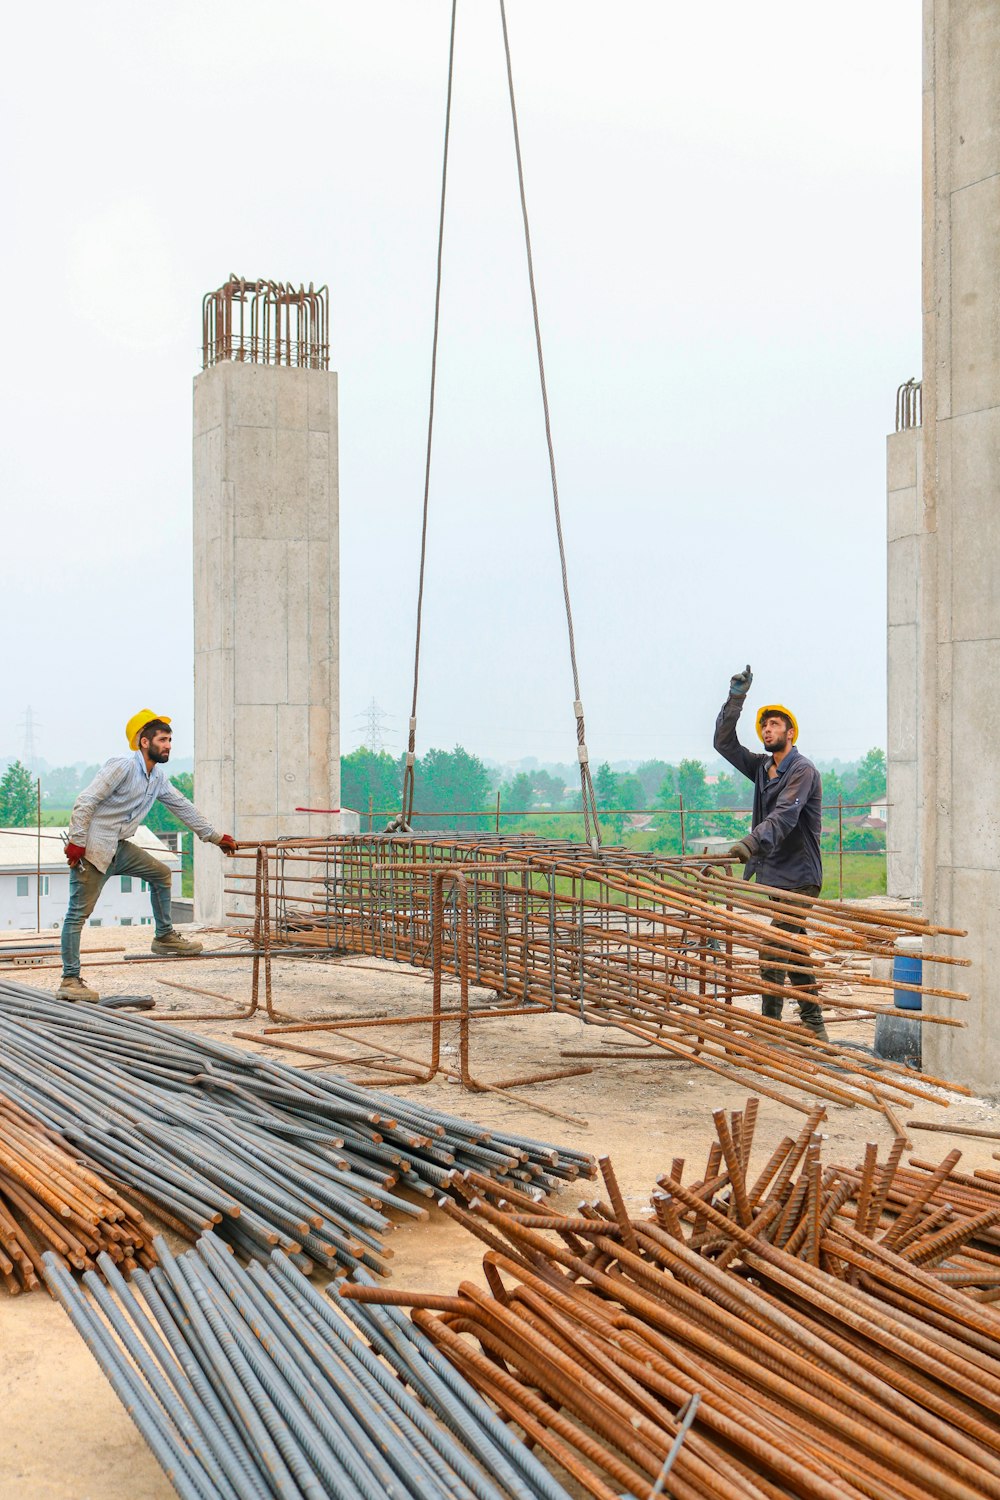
(405, 817)
(589, 801)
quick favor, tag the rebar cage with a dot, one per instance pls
(266, 323)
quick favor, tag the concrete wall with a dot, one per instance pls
(267, 703)
(959, 750)
(903, 526)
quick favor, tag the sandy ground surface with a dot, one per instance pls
(63, 1433)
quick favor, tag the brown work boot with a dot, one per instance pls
(172, 945)
(72, 987)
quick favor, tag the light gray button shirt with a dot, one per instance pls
(113, 806)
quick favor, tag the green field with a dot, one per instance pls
(864, 874)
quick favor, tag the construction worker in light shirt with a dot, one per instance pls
(105, 816)
(782, 849)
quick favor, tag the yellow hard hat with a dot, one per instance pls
(137, 724)
(777, 708)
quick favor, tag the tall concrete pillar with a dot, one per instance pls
(904, 876)
(959, 543)
(266, 590)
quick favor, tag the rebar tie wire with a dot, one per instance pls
(592, 829)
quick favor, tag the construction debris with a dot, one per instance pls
(666, 950)
(208, 1136)
(247, 1383)
(50, 1200)
(825, 1319)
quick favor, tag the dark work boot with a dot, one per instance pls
(811, 1015)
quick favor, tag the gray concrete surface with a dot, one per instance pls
(944, 603)
(903, 862)
(266, 608)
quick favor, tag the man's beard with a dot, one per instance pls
(780, 745)
(159, 757)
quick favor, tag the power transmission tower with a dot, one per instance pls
(376, 716)
(29, 750)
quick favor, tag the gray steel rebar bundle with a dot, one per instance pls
(208, 1136)
(247, 1383)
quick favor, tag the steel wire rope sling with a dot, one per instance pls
(403, 822)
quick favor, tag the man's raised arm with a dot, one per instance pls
(726, 743)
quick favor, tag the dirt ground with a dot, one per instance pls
(65, 1436)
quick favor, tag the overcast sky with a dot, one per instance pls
(725, 209)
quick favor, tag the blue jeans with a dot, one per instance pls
(86, 882)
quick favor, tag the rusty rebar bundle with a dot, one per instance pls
(50, 1199)
(665, 949)
(929, 1215)
(816, 1316)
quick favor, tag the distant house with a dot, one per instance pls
(878, 816)
(124, 902)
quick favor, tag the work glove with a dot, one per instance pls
(74, 854)
(739, 685)
(741, 851)
(228, 844)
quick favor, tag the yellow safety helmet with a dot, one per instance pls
(777, 708)
(137, 724)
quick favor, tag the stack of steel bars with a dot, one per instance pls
(927, 1215)
(871, 1372)
(206, 1135)
(50, 1200)
(667, 950)
(247, 1384)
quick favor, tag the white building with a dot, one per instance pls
(124, 902)
(880, 811)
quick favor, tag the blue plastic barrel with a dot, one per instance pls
(908, 968)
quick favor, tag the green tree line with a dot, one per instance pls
(454, 782)
(449, 782)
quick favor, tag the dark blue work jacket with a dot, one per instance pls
(787, 809)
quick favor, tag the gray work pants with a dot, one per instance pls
(86, 882)
(781, 962)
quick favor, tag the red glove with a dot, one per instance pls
(74, 854)
(228, 844)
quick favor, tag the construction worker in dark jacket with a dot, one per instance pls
(782, 848)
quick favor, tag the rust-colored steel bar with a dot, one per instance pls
(266, 322)
(811, 1382)
(665, 949)
(965, 1130)
(51, 1200)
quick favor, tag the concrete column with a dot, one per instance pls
(266, 608)
(960, 521)
(903, 527)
